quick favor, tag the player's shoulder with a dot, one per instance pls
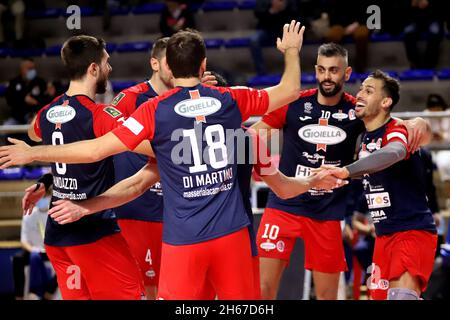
(394, 129)
(130, 93)
(55, 101)
(155, 101)
(304, 94)
(396, 125)
(348, 98)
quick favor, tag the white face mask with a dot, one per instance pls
(31, 74)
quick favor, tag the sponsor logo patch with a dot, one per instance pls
(304, 118)
(340, 115)
(378, 200)
(267, 246)
(117, 99)
(150, 273)
(113, 112)
(352, 114)
(308, 107)
(200, 107)
(280, 246)
(319, 134)
(60, 114)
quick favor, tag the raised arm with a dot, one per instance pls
(288, 88)
(65, 211)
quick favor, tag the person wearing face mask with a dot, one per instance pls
(26, 93)
(33, 254)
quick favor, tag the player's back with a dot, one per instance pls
(208, 202)
(66, 120)
(193, 134)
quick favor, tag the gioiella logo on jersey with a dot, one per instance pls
(322, 134)
(202, 106)
(197, 107)
(60, 114)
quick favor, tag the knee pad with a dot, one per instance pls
(402, 294)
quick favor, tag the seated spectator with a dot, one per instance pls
(440, 126)
(271, 15)
(175, 16)
(424, 17)
(33, 254)
(350, 20)
(26, 94)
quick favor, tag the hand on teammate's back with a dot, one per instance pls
(292, 37)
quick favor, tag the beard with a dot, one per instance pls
(337, 88)
(100, 86)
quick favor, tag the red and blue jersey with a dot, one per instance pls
(192, 132)
(65, 120)
(148, 206)
(396, 196)
(254, 153)
(315, 134)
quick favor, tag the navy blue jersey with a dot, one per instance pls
(314, 134)
(396, 196)
(192, 134)
(148, 206)
(244, 176)
(66, 120)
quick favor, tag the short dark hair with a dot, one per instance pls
(391, 86)
(159, 47)
(436, 100)
(185, 53)
(78, 52)
(332, 49)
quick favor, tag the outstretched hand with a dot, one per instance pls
(17, 153)
(292, 37)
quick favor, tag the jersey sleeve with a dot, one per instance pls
(251, 102)
(139, 126)
(396, 132)
(125, 102)
(37, 124)
(106, 119)
(276, 119)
